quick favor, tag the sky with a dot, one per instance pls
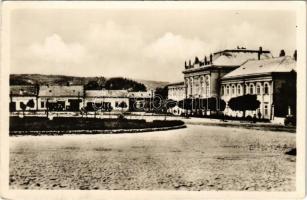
(140, 44)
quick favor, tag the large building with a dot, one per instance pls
(236, 72)
(177, 92)
(272, 80)
(202, 78)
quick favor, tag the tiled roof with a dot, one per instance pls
(238, 58)
(106, 93)
(139, 94)
(23, 90)
(61, 91)
(264, 66)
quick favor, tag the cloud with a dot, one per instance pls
(171, 47)
(55, 50)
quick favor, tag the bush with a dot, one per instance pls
(74, 123)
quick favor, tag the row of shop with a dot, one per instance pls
(74, 98)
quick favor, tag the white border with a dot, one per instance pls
(7, 7)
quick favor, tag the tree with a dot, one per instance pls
(30, 103)
(162, 92)
(123, 105)
(282, 53)
(120, 83)
(23, 107)
(295, 55)
(244, 103)
(185, 104)
(92, 85)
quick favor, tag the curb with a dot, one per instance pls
(111, 131)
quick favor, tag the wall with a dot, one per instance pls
(25, 100)
(284, 94)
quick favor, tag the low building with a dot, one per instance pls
(23, 96)
(106, 100)
(272, 80)
(176, 91)
(60, 98)
(140, 101)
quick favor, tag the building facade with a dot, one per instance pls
(202, 78)
(272, 80)
(60, 98)
(176, 92)
(106, 100)
(23, 96)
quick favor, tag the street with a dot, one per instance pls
(195, 158)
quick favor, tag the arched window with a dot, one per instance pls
(222, 90)
(202, 85)
(239, 90)
(233, 90)
(266, 88)
(227, 90)
(251, 89)
(207, 80)
(191, 86)
(258, 89)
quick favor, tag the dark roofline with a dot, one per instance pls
(209, 67)
(255, 75)
(241, 50)
(177, 83)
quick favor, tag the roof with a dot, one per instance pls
(106, 93)
(176, 84)
(264, 66)
(231, 58)
(237, 58)
(140, 94)
(23, 90)
(61, 91)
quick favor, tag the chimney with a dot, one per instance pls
(196, 60)
(210, 58)
(259, 53)
(206, 62)
(190, 65)
(185, 64)
(295, 55)
(282, 53)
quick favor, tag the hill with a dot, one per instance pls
(41, 79)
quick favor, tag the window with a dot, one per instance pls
(227, 90)
(258, 90)
(266, 109)
(251, 89)
(116, 104)
(246, 89)
(222, 91)
(239, 89)
(42, 104)
(233, 90)
(266, 88)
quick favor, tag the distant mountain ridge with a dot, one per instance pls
(41, 79)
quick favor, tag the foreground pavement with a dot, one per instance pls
(195, 158)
